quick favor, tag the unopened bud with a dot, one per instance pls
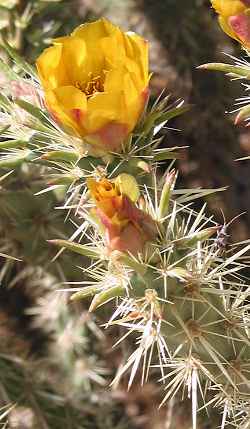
(166, 194)
(84, 293)
(144, 166)
(106, 295)
(60, 155)
(193, 239)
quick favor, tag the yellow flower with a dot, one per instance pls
(234, 19)
(96, 83)
(127, 228)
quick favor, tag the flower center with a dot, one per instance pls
(106, 189)
(93, 85)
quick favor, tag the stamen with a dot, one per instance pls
(94, 84)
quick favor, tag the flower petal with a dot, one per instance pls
(94, 35)
(138, 49)
(241, 26)
(69, 106)
(91, 32)
(129, 101)
(134, 102)
(105, 107)
(227, 28)
(75, 64)
(50, 68)
(228, 7)
(109, 138)
(129, 239)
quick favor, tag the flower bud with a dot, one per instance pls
(166, 193)
(127, 228)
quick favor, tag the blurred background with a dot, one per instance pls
(55, 361)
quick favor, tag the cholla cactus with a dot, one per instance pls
(176, 288)
(183, 300)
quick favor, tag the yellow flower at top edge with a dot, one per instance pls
(127, 228)
(96, 83)
(234, 19)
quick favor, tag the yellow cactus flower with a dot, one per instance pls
(96, 83)
(127, 228)
(234, 19)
